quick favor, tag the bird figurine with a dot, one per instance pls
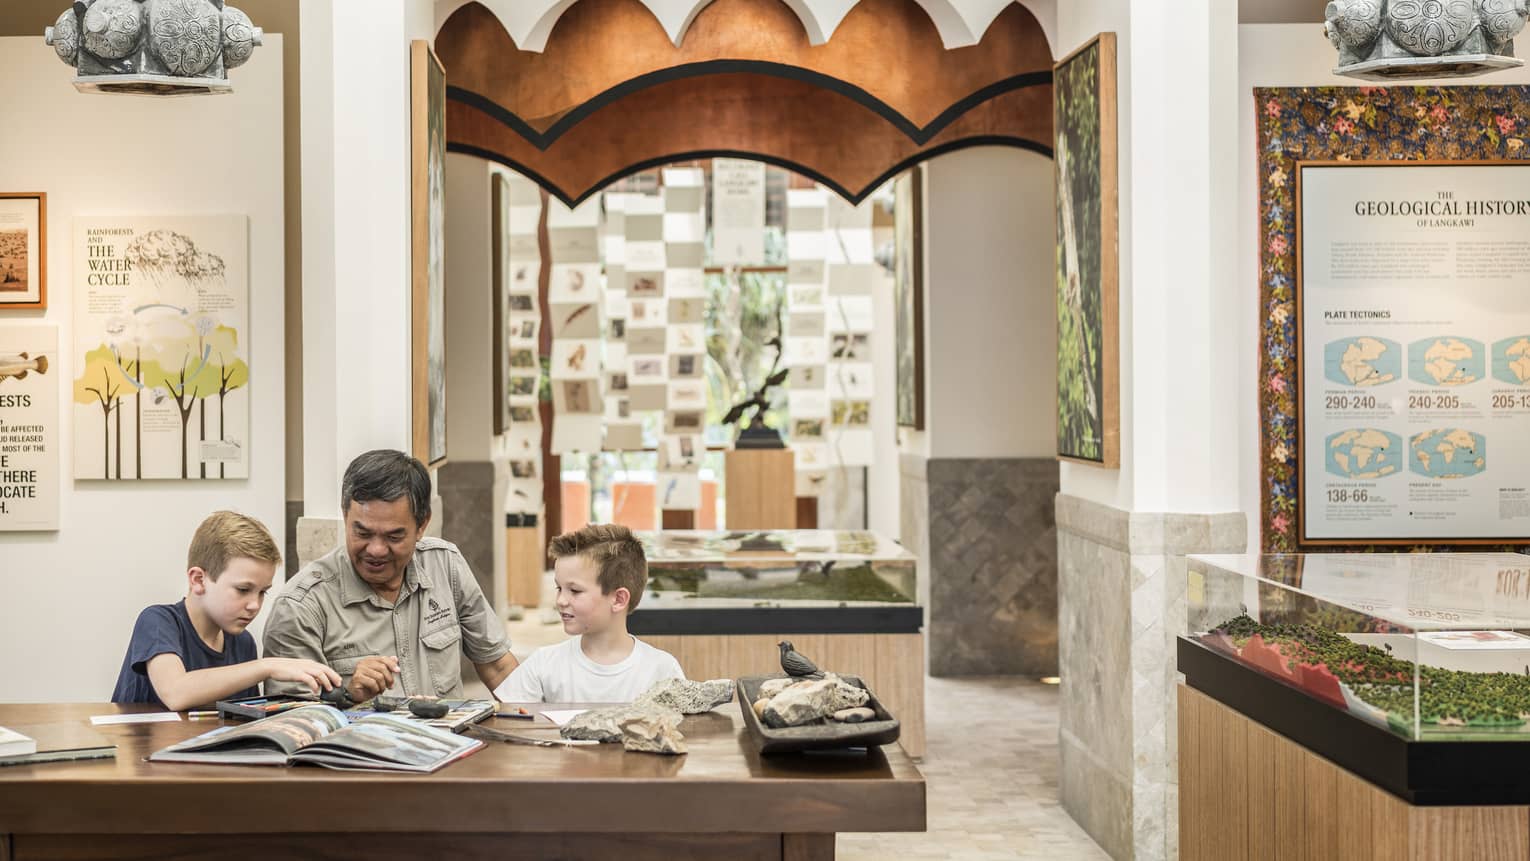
(795, 664)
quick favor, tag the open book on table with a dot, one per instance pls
(322, 735)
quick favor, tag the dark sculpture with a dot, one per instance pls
(757, 434)
(795, 665)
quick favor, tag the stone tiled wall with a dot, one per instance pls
(1121, 604)
(470, 517)
(982, 531)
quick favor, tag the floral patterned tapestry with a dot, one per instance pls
(1344, 124)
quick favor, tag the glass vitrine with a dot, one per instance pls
(1430, 647)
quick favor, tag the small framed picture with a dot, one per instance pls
(23, 250)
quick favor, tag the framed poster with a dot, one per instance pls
(908, 290)
(427, 87)
(23, 250)
(28, 427)
(161, 347)
(501, 276)
(1413, 352)
(1084, 128)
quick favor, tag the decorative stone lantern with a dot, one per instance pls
(153, 47)
(1388, 40)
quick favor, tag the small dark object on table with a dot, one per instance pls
(428, 709)
(340, 698)
(385, 703)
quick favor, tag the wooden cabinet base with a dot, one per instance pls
(524, 564)
(892, 665)
(501, 847)
(1246, 792)
(762, 488)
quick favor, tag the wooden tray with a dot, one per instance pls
(832, 735)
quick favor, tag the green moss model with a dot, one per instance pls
(1445, 697)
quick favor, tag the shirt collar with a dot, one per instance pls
(354, 590)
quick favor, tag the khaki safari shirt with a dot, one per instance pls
(327, 613)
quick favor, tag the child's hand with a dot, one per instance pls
(311, 673)
(374, 675)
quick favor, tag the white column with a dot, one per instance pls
(356, 239)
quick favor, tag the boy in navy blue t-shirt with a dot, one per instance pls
(197, 650)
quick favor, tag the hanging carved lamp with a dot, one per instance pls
(1390, 40)
(153, 47)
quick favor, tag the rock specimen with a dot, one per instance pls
(688, 697)
(605, 724)
(854, 715)
(806, 702)
(771, 687)
(653, 732)
(655, 715)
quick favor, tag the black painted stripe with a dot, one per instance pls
(919, 135)
(854, 197)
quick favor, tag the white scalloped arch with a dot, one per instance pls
(960, 22)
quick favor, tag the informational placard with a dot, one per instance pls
(738, 212)
(28, 427)
(161, 347)
(1413, 305)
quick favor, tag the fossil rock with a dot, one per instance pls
(855, 715)
(811, 701)
(653, 732)
(688, 697)
(604, 724)
(771, 687)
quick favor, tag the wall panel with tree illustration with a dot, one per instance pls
(161, 317)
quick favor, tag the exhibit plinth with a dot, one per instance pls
(524, 560)
(1247, 792)
(761, 489)
(720, 602)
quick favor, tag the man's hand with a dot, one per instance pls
(374, 675)
(311, 673)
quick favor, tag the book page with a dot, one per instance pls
(389, 738)
(289, 732)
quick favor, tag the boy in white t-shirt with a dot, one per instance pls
(600, 572)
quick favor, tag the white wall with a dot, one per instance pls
(884, 487)
(356, 235)
(68, 600)
(1277, 55)
(991, 333)
(469, 309)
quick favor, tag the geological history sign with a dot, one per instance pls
(1413, 350)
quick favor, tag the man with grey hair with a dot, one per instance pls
(391, 610)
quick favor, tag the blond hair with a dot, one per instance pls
(617, 556)
(226, 535)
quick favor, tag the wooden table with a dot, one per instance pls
(507, 801)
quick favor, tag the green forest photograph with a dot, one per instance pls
(1083, 122)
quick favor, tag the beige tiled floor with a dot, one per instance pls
(991, 779)
(990, 771)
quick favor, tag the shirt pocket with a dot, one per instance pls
(443, 658)
(344, 659)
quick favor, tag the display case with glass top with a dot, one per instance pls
(776, 568)
(722, 601)
(1427, 646)
(1390, 665)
